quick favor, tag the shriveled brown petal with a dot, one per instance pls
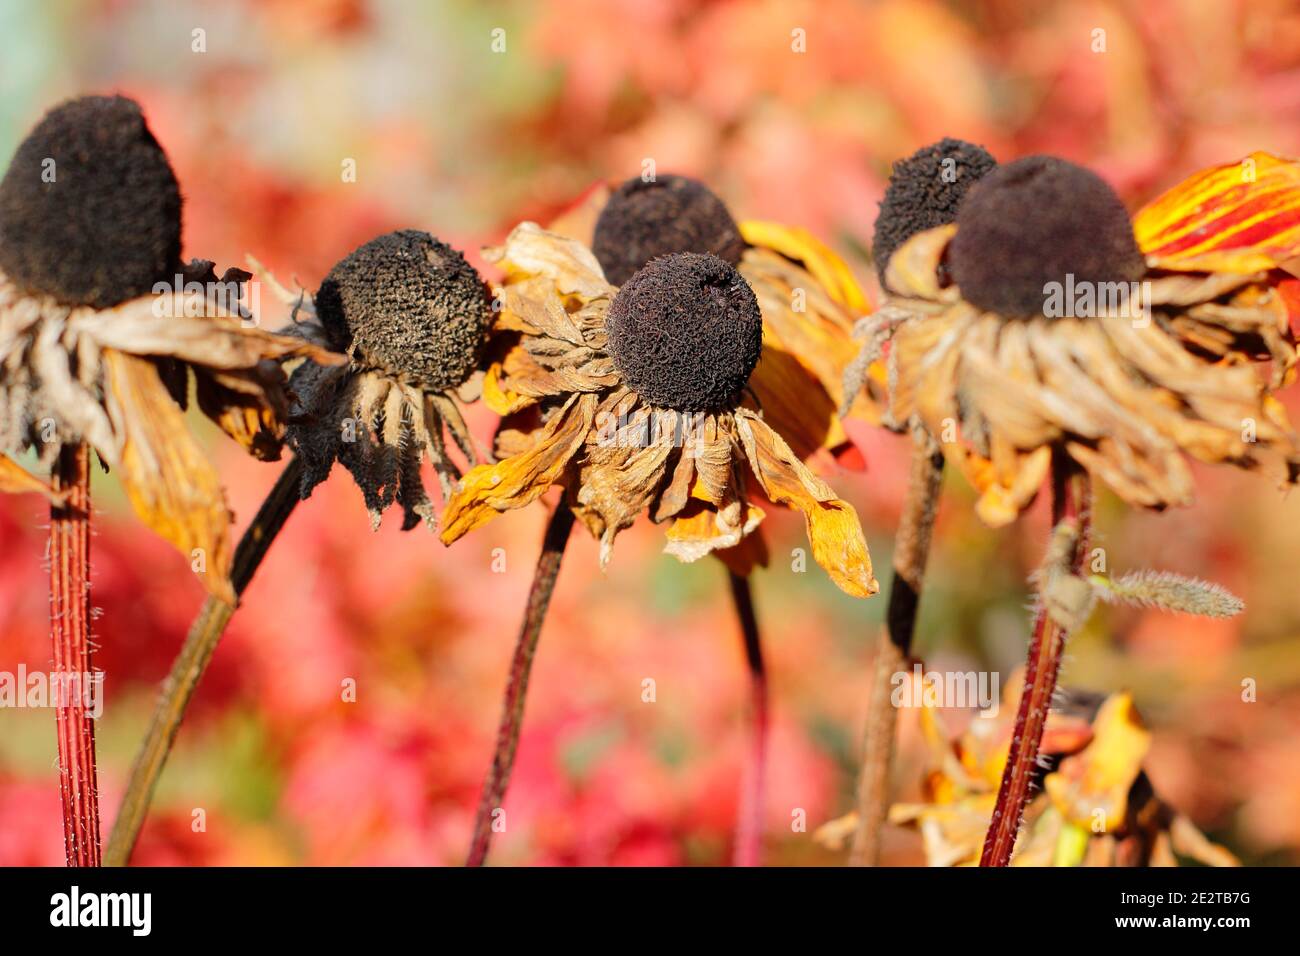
(171, 485)
(215, 341)
(703, 529)
(567, 263)
(514, 482)
(833, 530)
(249, 406)
(619, 479)
(913, 270)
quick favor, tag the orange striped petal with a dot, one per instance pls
(1238, 217)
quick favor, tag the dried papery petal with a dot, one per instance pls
(832, 524)
(488, 490)
(170, 483)
(17, 480)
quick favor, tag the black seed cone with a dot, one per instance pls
(645, 220)
(925, 192)
(109, 226)
(409, 305)
(1032, 222)
(685, 332)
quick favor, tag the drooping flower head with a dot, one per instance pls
(808, 296)
(411, 315)
(1031, 224)
(645, 219)
(925, 190)
(1047, 329)
(90, 210)
(642, 398)
(101, 326)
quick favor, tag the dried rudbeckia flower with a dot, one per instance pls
(1052, 343)
(925, 190)
(632, 401)
(99, 355)
(1089, 356)
(100, 327)
(411, 315)
(681, 454)
(808, 299)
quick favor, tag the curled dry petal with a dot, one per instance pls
(832, 524)
(169, 482)
(17, 480)
(488, 490)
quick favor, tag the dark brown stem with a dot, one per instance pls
(749, 824)
(1070, 501)
(512, 710)
(204, 635)
(911, 551)
(70, 636)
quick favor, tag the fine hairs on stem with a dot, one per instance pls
(1071, 502)
(70, 637)
(521, 665)
(187, 670)
(911, 551)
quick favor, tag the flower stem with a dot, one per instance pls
(512, 711)
(749, 825)
(70, 636)
(1070, 501)
(191, 662)
(911, 551)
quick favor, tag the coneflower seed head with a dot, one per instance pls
(1032, 223)
(410, 306)
(685, 332)
(645, 220)
(90, 210)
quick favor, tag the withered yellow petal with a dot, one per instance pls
(520, 479)
(171, 485)
(833, 530)
(17, 480)
(796, 243)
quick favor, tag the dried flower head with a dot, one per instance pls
(411, 315)
(90, 210)
(1029, 224)
(1125, 377)
(409, 307)
(808, 296)
(645, 219)
(94, 356)
(685, 333)
(686, 455)
(925, 190)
